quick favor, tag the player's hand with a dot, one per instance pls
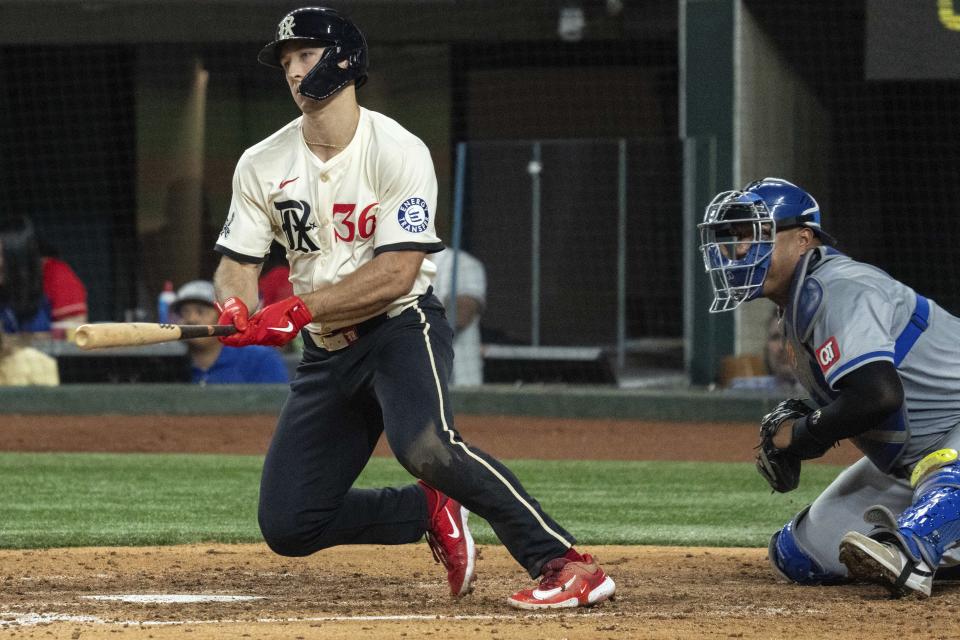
(275, 325)
(233, 311)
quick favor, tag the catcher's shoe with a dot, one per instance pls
(450, 541)
(566, 583)
(886, 564)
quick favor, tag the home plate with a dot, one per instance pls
(172, 597)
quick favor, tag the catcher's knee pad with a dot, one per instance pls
(931, 525)
(928, 471)
(789, 559)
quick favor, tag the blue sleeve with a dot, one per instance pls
(268, 366)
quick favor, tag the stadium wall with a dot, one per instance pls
(546, 401)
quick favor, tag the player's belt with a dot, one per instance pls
(344, 337)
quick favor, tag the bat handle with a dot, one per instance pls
(188, 332)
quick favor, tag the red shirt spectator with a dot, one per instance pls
(64, 290)
(275, 285)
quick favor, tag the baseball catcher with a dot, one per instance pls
(879, 363)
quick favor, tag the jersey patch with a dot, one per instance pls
(827, 354)
(413, 215)
(225, 232)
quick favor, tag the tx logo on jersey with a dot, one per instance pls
(827, 354)
(296, 223)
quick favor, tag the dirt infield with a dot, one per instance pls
(399, 592)
(502, 436)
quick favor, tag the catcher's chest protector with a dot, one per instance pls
(804, 312)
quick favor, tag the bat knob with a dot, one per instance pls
(82, 336)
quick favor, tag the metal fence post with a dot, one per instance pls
(621, 254)
(534, 169)
(457, 231)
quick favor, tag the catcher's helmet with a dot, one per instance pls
(738, 232)
(343, 42)
(790, 206)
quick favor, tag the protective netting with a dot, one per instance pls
(119, 143)
(886, 160)
(122, 152)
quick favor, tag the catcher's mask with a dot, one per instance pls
(342, 40)
(736, 239)
(738, 232)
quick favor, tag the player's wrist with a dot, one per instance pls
(299, 312)
(804, 443)
(309, 303)
(784, 437)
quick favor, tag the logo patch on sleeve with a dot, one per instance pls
(413, 215)
(827, 354)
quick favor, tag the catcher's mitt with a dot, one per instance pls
(779, 467)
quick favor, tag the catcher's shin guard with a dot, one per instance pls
(791, 561)
(931, 525)
(902, 553)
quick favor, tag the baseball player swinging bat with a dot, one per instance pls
(130, 334)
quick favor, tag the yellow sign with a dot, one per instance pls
(948, 16)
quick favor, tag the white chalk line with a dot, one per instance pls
(172, 598)
(33, 619)
(8, 619)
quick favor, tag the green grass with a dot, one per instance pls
(53, 500)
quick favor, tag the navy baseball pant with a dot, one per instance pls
(393, 380)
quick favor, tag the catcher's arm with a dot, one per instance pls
(793, 432)
(867, 396)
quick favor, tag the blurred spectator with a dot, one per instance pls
(36, 292)
(777, 356)
(275, 276)
(20, 365)
(212, 362)
(275, 285)
(777, 374)
(471, 299)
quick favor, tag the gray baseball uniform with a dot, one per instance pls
(841, 315)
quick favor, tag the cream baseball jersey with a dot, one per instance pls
(379, 194)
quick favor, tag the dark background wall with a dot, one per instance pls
(97, 103)
(893, 160)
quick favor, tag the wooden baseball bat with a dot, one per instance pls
(130, 334)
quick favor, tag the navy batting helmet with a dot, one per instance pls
(341, 39)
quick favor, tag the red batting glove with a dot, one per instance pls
(275, 325)
(233, 311)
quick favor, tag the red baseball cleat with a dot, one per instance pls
(566, 583)
(451, 543)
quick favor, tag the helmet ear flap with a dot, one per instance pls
(328, 76)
